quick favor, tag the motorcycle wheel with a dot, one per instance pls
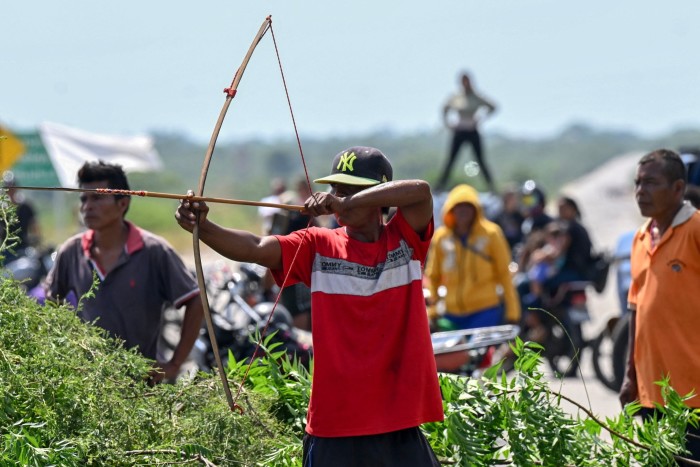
(602, 354)
(564, 351)
(620, 350)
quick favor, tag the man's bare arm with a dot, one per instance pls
(237, 245)
(413, 197)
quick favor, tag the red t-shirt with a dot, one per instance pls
(374, 369)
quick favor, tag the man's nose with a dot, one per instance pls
(87, 202)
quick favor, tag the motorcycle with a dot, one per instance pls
(611, 346)
(555, 321)
(29, 267)
(468, 352)
(239, 315)
(565, 342)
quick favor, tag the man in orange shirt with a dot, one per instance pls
(663, 296)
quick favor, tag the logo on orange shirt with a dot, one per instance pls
(676, 265)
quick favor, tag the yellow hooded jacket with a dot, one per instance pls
(476, 275)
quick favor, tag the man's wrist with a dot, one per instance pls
(176, 361)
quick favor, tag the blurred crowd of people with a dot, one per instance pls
(493, 270)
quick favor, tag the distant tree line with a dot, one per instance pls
(244, 168)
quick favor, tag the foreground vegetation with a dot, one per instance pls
(71, 396)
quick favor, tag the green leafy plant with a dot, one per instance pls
(8, 224)
(520, 421)
(72, 396)
(69, 395)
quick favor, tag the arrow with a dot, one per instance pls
(155, 194)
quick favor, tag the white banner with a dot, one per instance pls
(69, 148)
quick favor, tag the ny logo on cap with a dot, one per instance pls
(346, 161)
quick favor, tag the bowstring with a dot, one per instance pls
(303, 238)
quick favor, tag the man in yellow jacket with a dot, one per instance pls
(469, 255)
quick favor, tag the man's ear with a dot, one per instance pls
(679, 188)
(124, 203)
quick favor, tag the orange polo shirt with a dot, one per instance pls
(665, 293)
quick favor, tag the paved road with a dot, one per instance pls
(606, 199)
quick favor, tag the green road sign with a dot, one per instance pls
(34, 168)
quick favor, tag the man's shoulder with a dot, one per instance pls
(72, 242)
(695, 219)
(489, 227)
(147, 238)
(151, 239)
(687, 219)
(691, 225)
(441, 232)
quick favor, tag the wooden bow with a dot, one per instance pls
(230, 94)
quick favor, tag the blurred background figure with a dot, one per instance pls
(545, 263)
(462, 114)
(277, 187)
(284, 222)
(531, 202)
(27, 227)
(692, 194)
(510, 219)
(295, 298)
(469, 256)
(578, 258)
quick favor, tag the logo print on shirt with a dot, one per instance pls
(676, 265)
(346, 161)
(401, 256)
(335, 276)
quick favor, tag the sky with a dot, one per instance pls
(133, 67)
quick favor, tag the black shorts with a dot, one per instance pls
(403, 448)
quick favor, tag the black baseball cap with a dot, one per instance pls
(359, 165)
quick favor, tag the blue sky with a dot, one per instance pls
(132, 66)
